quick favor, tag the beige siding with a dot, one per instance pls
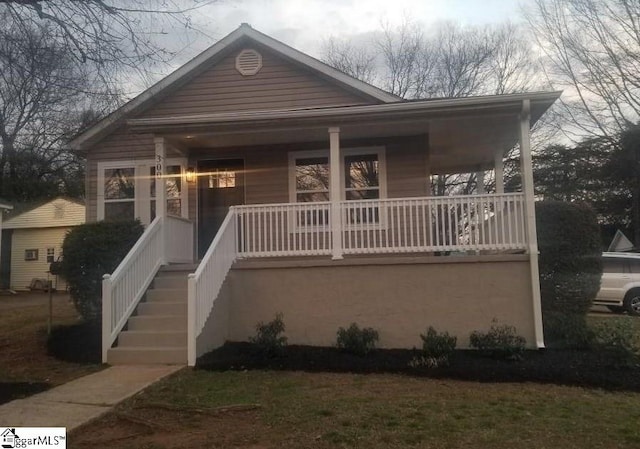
(22, 271)
(278, 85)
(400, 300)
(55, 213)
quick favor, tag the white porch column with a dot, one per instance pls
(334, 192)
(498, 166)
(526, 170)
(480, 182)
(161, 188)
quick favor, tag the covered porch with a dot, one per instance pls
(368, 195)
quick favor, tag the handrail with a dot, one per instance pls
(123, 289)
(205, 284)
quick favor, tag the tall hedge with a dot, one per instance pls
(90, 251)
(570, 256)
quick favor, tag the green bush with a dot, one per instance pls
(268, 339)
(437, 349)
(90, 251)
(500, 342)
(357, 341)
(570, 256)
(617, 338)
(566, 330)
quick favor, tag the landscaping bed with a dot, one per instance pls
(554, 366)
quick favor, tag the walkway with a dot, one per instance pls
(81, 400)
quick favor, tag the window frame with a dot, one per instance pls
(34, 252)
(142, 195)
(379, 151)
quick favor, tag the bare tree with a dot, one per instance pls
(592, 50)
(358, 62)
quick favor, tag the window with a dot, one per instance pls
(615, 265)
(51, 255)
(119, 193)
(222, 179)
(311, 179)
(126, 190)
(362, 182)
(30, 254)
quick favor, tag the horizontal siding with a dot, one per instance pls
(22, 271)
(46, 216)
(278, 85)
(408, 168)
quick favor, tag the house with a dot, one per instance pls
(298, 189)
(32, 238)
(9, 437)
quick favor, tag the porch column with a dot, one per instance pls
(498, 166)
(334, 193)
(161, 189)
(526, 171)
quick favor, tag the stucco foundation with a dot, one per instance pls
(400, 297)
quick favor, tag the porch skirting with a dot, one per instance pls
(398, 296)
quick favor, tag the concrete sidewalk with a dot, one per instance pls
(81, 400)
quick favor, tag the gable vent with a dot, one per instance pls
(248, 62)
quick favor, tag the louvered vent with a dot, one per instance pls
(248, 62)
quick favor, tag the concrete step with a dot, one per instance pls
(147, 355)
(163, 308)
(178, 267)
(173, 339)
(173, 281)
(157, 323)
(167, 295)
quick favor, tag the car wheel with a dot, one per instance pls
(632, 302)
(616, 309)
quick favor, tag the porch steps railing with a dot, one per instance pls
(204, 285)
(123, 289)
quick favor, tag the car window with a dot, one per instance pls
(634, 265)
(613, 265)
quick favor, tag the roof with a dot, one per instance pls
(174, 80)
(623, 255)
(5, 204)
(540, 102)
(43, 214)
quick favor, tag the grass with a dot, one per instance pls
(24, 360)
(320, 410)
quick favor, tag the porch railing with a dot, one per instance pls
(165, 240)
(204, 285)
(427, 224)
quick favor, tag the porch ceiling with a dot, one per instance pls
(464, 134)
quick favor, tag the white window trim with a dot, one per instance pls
(380, 151)
(141, 196)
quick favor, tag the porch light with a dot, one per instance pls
(190, 175)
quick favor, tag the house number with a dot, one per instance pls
(158, 166)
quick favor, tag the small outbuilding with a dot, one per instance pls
(32, 239)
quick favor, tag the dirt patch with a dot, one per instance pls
(560, 367)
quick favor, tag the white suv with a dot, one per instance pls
(620, 284)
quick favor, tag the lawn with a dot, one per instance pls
(289, 408)
(25, 364)
(327, 410)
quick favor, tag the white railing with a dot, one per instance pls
(206, 282)
(178, 240)
(452, 223)
(122, 289)
(290, 229)
(426, 224)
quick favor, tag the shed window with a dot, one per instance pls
(30, 254)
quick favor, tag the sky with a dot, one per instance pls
(306, 24)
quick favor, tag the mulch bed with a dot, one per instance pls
(554, 366)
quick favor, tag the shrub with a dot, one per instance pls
(268, 339)
(567, 330)
(437, 349)
(570, 256)
(357, 341)
(91, 250)
(500, 342)
(617, 338)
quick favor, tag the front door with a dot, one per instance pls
(220, 185)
